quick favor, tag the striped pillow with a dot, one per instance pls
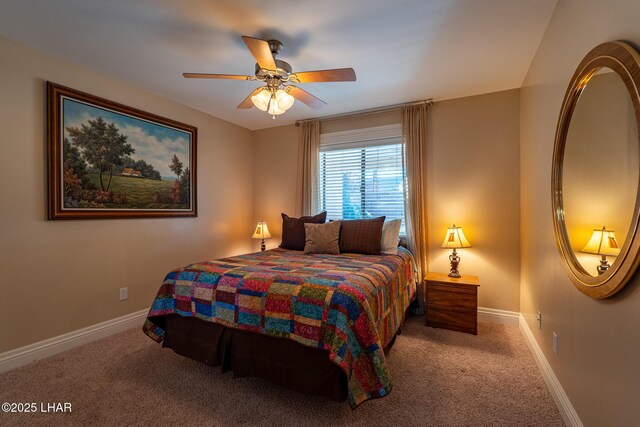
(361, 236)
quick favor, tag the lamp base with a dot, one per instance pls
(455, 261)
(263, 246)
(604, 265)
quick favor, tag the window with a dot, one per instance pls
(361, 174)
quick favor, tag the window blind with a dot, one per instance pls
(362, 179)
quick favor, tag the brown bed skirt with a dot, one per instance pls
(280, 361)
(283, 362)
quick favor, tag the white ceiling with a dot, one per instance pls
(402, 50)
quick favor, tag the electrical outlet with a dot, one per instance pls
(555, 343)
(124, 294)
(539, 319)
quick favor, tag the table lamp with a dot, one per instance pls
(455, 239)
(602, 242)
(262, 232)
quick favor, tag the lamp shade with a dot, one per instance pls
(602, 242)
(455, 238)
(284, 100)
(274, 109)
(262, 231)
(261, 99)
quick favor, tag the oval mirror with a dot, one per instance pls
(596, 171)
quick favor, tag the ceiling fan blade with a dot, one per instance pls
(261, 52)
(306, 97)
(335, 75)
(217, 76)
(247, 103)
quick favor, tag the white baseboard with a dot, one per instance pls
(568, 412)
(493, 315)
(32, 352)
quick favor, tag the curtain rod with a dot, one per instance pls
(429, 102)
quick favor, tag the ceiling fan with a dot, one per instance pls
(278, 95)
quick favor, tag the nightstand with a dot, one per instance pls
(452, 303)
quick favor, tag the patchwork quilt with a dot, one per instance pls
(350, 305)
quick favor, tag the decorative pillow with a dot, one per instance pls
(293, 230)
(361, 236)
(390, 235)
(322, 238)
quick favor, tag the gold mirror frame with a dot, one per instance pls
(624, 60)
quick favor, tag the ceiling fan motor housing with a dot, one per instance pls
(275, 46)
(283, 69)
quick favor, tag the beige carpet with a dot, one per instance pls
(441, 378)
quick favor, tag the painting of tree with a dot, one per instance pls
(182, 186)
(176, 165)
(76, 177)
(107, 160)
(102, 146)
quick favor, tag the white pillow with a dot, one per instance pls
(390, 235)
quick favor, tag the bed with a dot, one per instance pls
(318, 324)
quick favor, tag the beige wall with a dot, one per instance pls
(473, 180)
(59, 276)
(275, 159)
(599, 341)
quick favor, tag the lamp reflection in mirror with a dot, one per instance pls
(262, 232)
(455, 239)
(602, 242)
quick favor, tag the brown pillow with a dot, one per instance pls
(361, 236)
(322, 238)
(293, 230)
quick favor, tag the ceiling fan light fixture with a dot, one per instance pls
(284, 100)
(274, 109)
(261, 100)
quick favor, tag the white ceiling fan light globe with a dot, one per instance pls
(274, 109)
(261, 99)
(284, 100)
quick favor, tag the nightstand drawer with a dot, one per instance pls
(456, 319)
(452, 302)
(450, 295)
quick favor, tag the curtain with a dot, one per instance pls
(307, 197)
(414, 135)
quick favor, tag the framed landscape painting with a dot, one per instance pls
(107, 160)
